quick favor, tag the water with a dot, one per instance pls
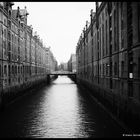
(60, 110)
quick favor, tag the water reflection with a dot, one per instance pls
(62, 112)
(56, 111)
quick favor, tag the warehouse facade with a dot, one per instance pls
(24, 59)
(108, 58)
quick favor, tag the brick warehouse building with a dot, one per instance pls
(72, 63)
(24, 59)
(108, 58)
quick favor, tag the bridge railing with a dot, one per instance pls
(62, 72)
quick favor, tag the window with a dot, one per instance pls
(18, 69)
(15, 69)
(9, 68)
(21, 70)
(5, 70)
(9, 35)
(115, 68)
(9, 46)
(9, 81)
(103, 69)
(107, 69)
(130, 65)
(122, 68)
(111, 84)
(12, 69)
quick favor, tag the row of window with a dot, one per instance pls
(105, 69)
(14, 70)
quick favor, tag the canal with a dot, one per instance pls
(58, 110)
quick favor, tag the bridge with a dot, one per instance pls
(72, 75)
(62, 73)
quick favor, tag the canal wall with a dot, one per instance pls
(11, 93)
(123, 109)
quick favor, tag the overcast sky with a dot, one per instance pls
(59, 24)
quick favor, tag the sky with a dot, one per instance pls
(59, 24)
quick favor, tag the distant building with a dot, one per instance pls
(63, 66)
(52, 62)
(72, 63)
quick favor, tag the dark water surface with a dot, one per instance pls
(60, 110)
